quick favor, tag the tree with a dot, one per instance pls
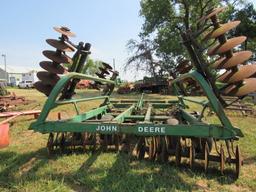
(143, 56)
(91, 67)
(163, 21)
(247, 16)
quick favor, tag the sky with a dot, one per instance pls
(106, 24)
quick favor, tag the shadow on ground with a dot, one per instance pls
(121, 174)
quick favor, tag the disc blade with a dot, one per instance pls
(64, 31)
(58, 58)
(207, 35)
(230, 44)
(184, 67)
(46, 89)
(100, 75)
(107, 66)
(248, 86)
(95, 86)
(242, 73)
(60, 45)
(104, 70)
(52, 68)
(237, 58)
(215, 12)
(211, 14)
(225, 76)
(48, 78)
(224, 28)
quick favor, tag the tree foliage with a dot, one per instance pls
(247, 27)
(162, 44)
(91, 67)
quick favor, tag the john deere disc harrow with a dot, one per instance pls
(55, 67)
(151, 129)
(239, 79)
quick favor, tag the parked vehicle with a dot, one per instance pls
(26, 84)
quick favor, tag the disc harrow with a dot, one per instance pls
(55, 67)
(157, 130)
(239, 79)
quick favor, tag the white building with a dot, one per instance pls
(30, 76)
(16, 74)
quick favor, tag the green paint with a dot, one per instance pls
(133, 110)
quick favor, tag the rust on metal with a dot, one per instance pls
(52, 68)
(64, 31)
(237, 58)
(215, 12)
(224, 28)
(247, 86)
(60, 45)
(14, 113)
(243, 72)
(228, 45)
(48, 78)
(211, 14)
(56, 57)
(46, 89)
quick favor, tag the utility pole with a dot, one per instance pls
(6, 75)
(114, 64)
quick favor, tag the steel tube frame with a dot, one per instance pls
(143, 125)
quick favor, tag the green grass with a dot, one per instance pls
(26, 166)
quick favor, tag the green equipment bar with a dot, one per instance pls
(120, 118)
(145, 129)
(80, 100)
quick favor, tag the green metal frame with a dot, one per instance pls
(83, 122)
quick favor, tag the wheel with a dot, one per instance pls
(178, 153)
(84, 140)
(152, 148)
(200, 143)
(164, 153)
(238, 162)
(116, 142)
(141, 148)
(93, 138)
(206, 157)
(222, 160)
(172, 142)
(105, 142)
(62, 143)
(50, 146)
(191, 155)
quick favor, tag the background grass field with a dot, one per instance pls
(26, 166)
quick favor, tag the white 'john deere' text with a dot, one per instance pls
(111, 128)
(151, 129)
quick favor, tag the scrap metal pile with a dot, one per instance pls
(151, 129)
(10, 101)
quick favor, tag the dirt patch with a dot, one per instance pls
(27, 166)
(201, 185)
